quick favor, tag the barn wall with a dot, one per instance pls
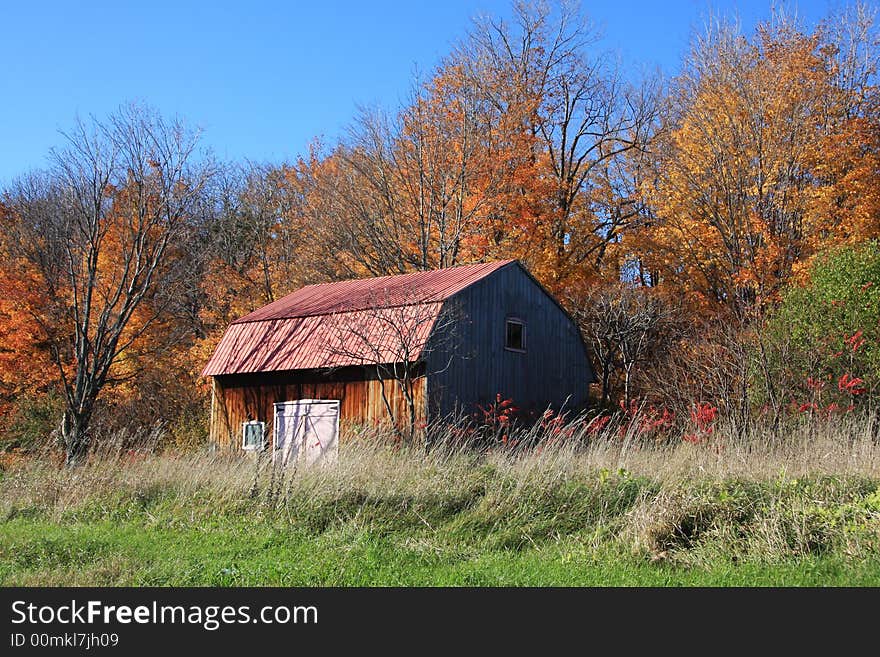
(240, 398)
(473, 366)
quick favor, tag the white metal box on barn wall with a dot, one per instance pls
(306, 432)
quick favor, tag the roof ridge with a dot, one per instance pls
(390, 291)
(425, 302)
(408, 273)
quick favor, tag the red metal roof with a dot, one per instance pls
(359, 322)
(384, 292)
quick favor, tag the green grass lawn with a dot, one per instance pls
(36, 552)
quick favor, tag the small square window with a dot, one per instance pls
(515, 335)
(253, 435)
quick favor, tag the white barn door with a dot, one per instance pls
(306, 432)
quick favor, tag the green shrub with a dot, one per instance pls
(825, 336)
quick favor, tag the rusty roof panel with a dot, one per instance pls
(324, 341)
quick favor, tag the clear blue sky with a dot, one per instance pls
(264, 78)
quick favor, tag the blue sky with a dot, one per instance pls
(264, 78)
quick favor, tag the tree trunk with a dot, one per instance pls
(388, 407)
(411, 408)
(606, 384)
(75, 432)
(406, 388)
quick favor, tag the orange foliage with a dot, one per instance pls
(758, 168)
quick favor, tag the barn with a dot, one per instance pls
(400, 349)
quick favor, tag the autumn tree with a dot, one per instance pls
(572, 118)
(97, 229)
(512, 147)
(414, 187)
(26, 367)
(846, 201)
(253, 238)
(755, 167)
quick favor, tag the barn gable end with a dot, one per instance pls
(552, 371)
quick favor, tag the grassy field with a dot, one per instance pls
(805, 511)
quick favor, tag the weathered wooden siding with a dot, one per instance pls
(554, 370)
(239, 398)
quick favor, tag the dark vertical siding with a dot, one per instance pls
(554, 370)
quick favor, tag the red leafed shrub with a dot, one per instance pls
(816, 385)
(596, 425)
(851, 384)
(842, 400)
(498, 414)
(702, 417)
(554, 425)
(494, 421)
(646, 421)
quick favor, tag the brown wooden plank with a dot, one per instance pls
(360, 402)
